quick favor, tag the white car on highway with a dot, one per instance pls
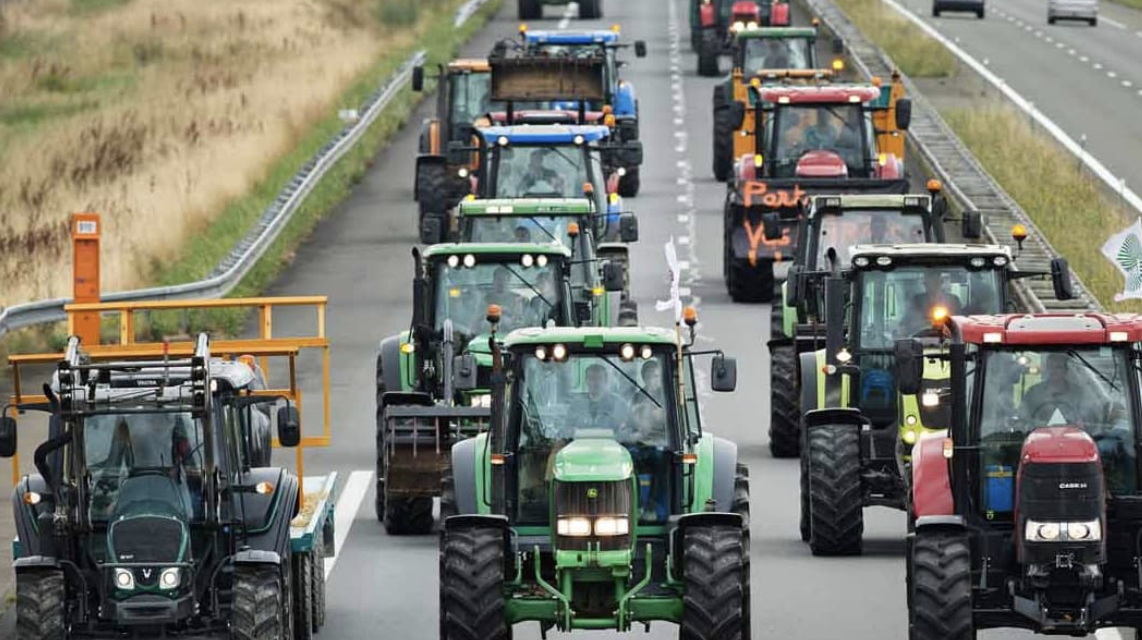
(1072, 10)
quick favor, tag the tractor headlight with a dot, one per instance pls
(124, 579)
(1042, 531)
(606, 526)
(482, 400)
(1091, 530)
(169, 578)
(1077, 531)
(574, 527)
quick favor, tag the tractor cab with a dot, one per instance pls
(765, 49)
(714, 25)
(598, 463)
(1036, 478)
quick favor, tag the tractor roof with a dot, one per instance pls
(1050, 328)
(758, 33)
(871, 201)
(583, 36)
(233, 373)
(476, 65)
(526, 206)
(494, 248)
(932, 250)
(827, 94)
(545, 133)
(590, 336)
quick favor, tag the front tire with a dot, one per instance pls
(408, 516)
(784, 424)
(740, 506)
(713, 563)
(708, 54)
(303, 587)
(723, 141)
(751, 283)
(260, 606)
(472, 585)
(40, 597)
(836, 507)
(941, 587)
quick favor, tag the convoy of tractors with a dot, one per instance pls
(578, 487)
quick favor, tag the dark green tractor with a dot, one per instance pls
(596, 500)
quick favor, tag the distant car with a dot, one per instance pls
(972, 6)
(1072, 10)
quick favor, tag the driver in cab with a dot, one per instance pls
(538, 173)
(600, 408)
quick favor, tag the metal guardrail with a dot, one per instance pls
(269, 226)
(967, 184)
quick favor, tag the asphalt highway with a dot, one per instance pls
(385, 587)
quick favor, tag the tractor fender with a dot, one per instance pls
(892, 169)
(942, 522)
(424, 160)
(464, 455)
(390, 355)
(267, 517)
(625, 104)
(709, 518)
(28, 563)
(809, 394)
(472, 521)
(834, 416)
(931, 485)
(28, 515)
(431, 142)
(779, 14)
(724, 472)
(257, 556)
(706, 16)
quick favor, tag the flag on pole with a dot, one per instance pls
(675, 301)
(1124, 249)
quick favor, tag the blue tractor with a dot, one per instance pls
(619, 106)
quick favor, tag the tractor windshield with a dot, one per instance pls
(819, 131)
(840, 230)
(130, 454)
(540, 172)
(1028, 388)
(897, 303)
(538, 229)
(555, 399)
(528, 296)
(776, 53)
(471, 96)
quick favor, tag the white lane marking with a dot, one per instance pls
(1138, 33)
(1059, 45)
(1111, 74)
(1084, 59)
(1097, 66)
(570, 11)
(1093, 164)
(1112, 22)
(1070, 52)
(1127, 84)
(348, 503)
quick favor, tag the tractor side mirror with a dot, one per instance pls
(628, 227)
(640, 48)
(430, 229)
(289, 426)
(464, 372)
(838, 46)
(795, 286)
(972, 225)
(1061, 279)
(771, 226)
(7, 437)
(737, 114)
(909, 366)
(418, 78)
(614, 276)
(903, 113)
(724, 373)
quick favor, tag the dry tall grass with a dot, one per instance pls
(155, 113)
(917, 54)
(1070, 207)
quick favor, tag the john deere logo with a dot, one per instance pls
(592, 493)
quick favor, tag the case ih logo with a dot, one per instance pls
(1072, 485)
(759, 193)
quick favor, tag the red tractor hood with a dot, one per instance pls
(822, 164)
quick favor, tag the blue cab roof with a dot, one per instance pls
(598, 36)
(545, 133)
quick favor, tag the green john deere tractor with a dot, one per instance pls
(596, 500)
(830, 225)
(419, 413)
(857, 428)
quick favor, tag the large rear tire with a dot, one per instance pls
(630, 183)
(530, 10)
(408, 516)
(806, 522)
(835, 499)
(741, 507)
(472, 585)
(303, 587)
(40, 596)
(941, 587)
(723, 159)
(784, 417)
(433, 190)
(319, 588)
(379, 500)
(708, 54)
(751, 283)
(260, 607)
(713, 563)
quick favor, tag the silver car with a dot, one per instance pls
(1072, 10)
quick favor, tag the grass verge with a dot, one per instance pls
(916, 54)
(1070, 207)
(1133, 4)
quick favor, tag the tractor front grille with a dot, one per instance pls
(146, 539)
(590, 500)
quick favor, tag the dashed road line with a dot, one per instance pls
(348, 503)
(1112, 22)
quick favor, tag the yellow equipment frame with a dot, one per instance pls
(264, 347)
